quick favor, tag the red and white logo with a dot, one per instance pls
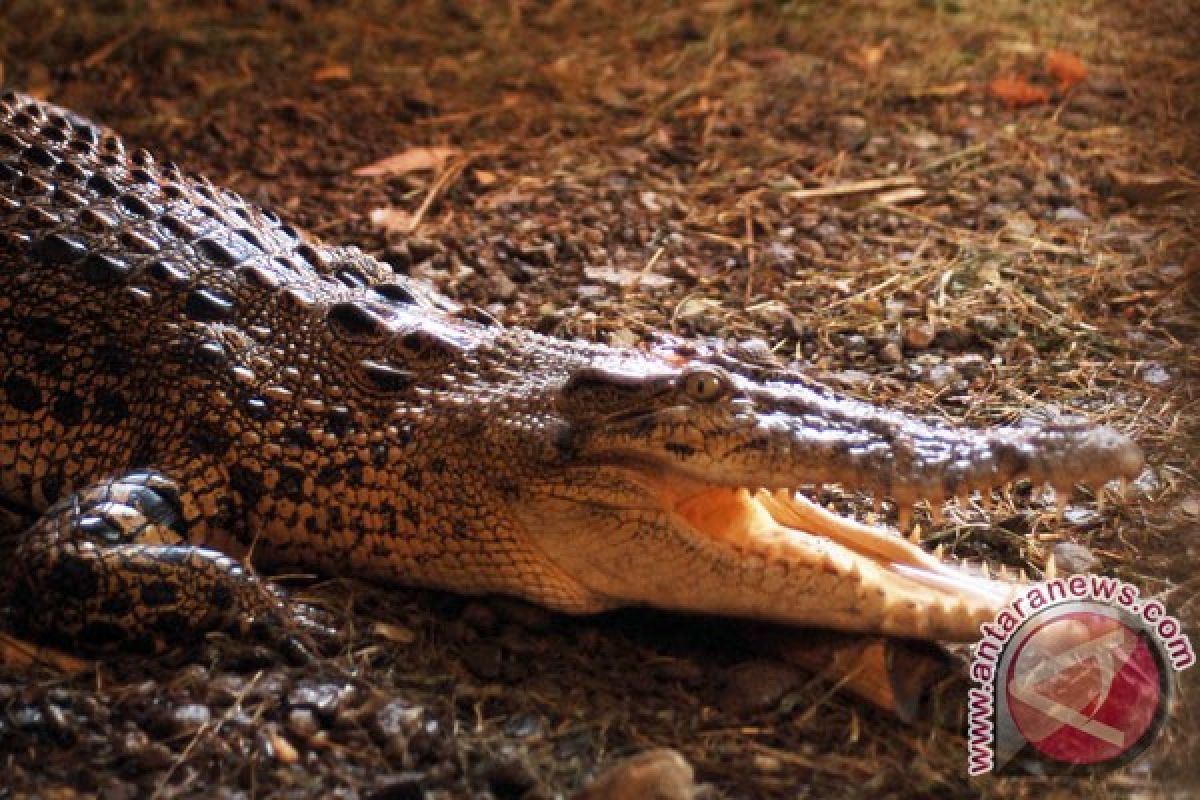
(1076, 673)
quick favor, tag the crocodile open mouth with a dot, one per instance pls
(890, 582)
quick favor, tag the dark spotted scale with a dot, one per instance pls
(178, 348)
(166, 324)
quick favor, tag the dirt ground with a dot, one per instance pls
(611, 169)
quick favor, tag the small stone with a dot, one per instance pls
(808, 249)
(303, 723)
(1155, 374)
(1006, 187)
(919, 334)
(1072, 558)
(941, 376)
(891, 353)
(321, 698)
(623, 337)
(500, 286)
(189, 718)
(661, 774)
(923, 140)
(397, 718)
(851, 124)
(1068, 215)
(756, 686)
(766, 763)
(827, 231)
(970, 365)
(1190, 505)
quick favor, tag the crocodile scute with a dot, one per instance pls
(187, 382)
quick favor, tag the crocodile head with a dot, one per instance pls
(674, 484)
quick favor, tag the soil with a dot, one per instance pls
(613, 170)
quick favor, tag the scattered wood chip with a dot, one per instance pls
(853, 187)
(285, 751)
(394, 633)
(1016, 92)
(898, 197)
(1066, 67)
(331, 72)
(484, 178)
(1147, 189)
(945, 90)
(391, 220)
(415, 159)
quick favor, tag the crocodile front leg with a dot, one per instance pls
(111, 566)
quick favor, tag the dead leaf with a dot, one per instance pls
(1066, 67)
(415, 159)
(1149, 189)
(391, 220)
(331, 72)
(484, 178)
(1016, 92)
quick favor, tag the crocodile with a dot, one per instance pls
(192, 391)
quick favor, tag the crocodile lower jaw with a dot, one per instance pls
(897, 587)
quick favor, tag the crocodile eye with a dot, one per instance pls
(703, 385)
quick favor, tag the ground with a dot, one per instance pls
(608, 170)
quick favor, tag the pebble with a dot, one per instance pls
(1072, 558)
(919, 334)
(1069, 215)
(756, 686)
(189, 718)
(660, 774)
(809, 249)
(501, 287)
(322, 698)
(1006, 187)
(941, 376)
(891, 353)
(303, 723)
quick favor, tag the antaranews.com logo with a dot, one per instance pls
(1076, 672)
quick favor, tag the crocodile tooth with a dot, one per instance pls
(915, 536)
(939, 552)
(1051, 570)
